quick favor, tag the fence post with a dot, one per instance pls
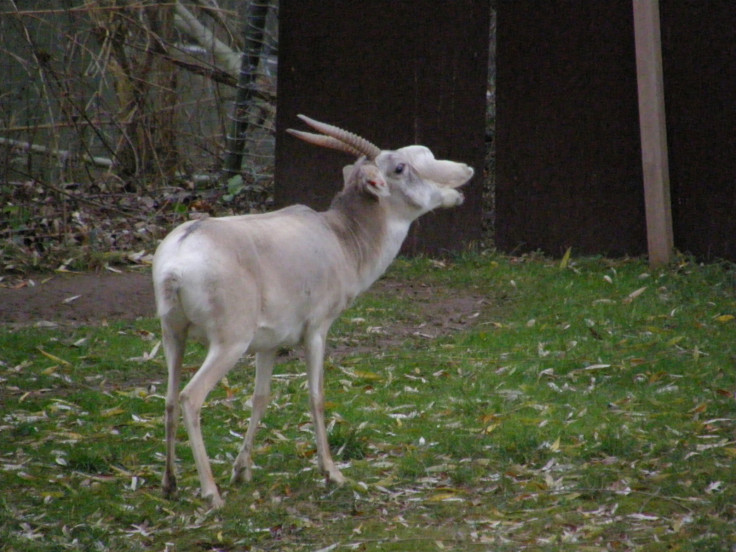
(254, 24)
(653, 131)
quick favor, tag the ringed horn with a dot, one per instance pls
(336, 138)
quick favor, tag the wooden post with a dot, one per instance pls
(653, 131)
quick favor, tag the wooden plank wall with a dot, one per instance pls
(699, 57)
(568, 143)
(398, 73)
(568, 154)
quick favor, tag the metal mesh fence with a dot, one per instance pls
(142, 87)
(116, 118)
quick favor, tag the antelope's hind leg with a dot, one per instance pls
(221, 357)
(174, 340)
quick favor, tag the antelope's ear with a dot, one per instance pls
(351, 173)
(372, 181)
(347, 172)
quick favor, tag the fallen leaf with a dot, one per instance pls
(367, 375)
(702, 407)
(714, 487)
(643, 517)
(566, 258)
(147, 356)
(329, 548)
(112, 412)
(444, 497)
(634, 294)
(597, 367)
(54, 358)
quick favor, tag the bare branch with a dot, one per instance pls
(63, 155)
(226, 56)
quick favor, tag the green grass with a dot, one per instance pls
(589, 407)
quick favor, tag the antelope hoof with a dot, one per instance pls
(215, 501)
(168, 486)
(335, 477)
(241, 475)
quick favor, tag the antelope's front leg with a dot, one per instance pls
(264, 368)
(315, 349)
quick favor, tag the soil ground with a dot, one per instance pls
(89, 298)
(78, 298)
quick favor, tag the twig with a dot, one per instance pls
(64, 155)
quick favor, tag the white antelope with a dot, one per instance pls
(255, 283)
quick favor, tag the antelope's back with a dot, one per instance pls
(271, 273)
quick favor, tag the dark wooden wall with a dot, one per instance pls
(567, 138)
(396, 72)
(567, 135)
(699, 59)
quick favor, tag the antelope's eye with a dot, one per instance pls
(399, 168)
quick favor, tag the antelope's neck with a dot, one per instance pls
(369, 236)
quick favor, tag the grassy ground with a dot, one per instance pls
(590, 407)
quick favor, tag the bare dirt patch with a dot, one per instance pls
(78, 298)
(91, 298)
